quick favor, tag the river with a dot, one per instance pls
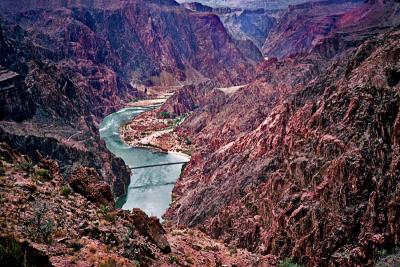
(150, 188)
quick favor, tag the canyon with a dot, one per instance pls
(288, 110)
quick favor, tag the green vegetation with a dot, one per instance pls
(388, 257)
(104, 209)
(26, 166)
(382, 253)
(42, 227)
(2, 169)
(262, 178)
(188, 141)
(66, 190)
(43, 173)
(173, 259)
(189, 260)
(107, 215)
(232, 250)
(289, 263)
(165, 115)
(11, 253)
(76, 246)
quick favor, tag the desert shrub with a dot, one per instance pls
(46, 229)
(173, 259)
(107, 214)
(11, 253)
(262, 178)
(43, 173)
(26, 166)
(232, 250)
(76, 246)
(65, 190)
(388, 257)
(188, 141)
(289, 263)
(42, 227)
(2, 169)
(189, 260)
(109, 263)
(165, 115)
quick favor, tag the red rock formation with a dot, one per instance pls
(301, 164)
(85, 181)
(304, 26)
(43, 224)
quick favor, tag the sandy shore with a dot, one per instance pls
(154, 130)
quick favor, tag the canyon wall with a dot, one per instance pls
(304, 161)
(67, 64)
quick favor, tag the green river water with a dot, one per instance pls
(147, 189)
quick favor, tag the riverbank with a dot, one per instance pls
(154, 129)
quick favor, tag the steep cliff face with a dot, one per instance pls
(65, 65)
(46, 222)
(301, 164)
(253, 25)
(304, 26)
(52, 108)
(145, 42)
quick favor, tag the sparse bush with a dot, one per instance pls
(232, 250)
(262, 178)
(104, 209)
(188, 141)
(173, 259)
(382, 252)
(110, 262)
(107, 214)
(26, 166)
(66, 190)
(189, 260)
(2, 169)
(42, 227)
(289, 263)
(165, 115)
(43, 173)
(46, 229)
(76, 246)
(110, 217)
(11, 253)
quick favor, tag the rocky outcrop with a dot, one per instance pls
(45, 223)
(173, 46)
(151, 228)
(305, 26)
(68, 64)
(251, 25)
(301, 163)
(85, 181)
